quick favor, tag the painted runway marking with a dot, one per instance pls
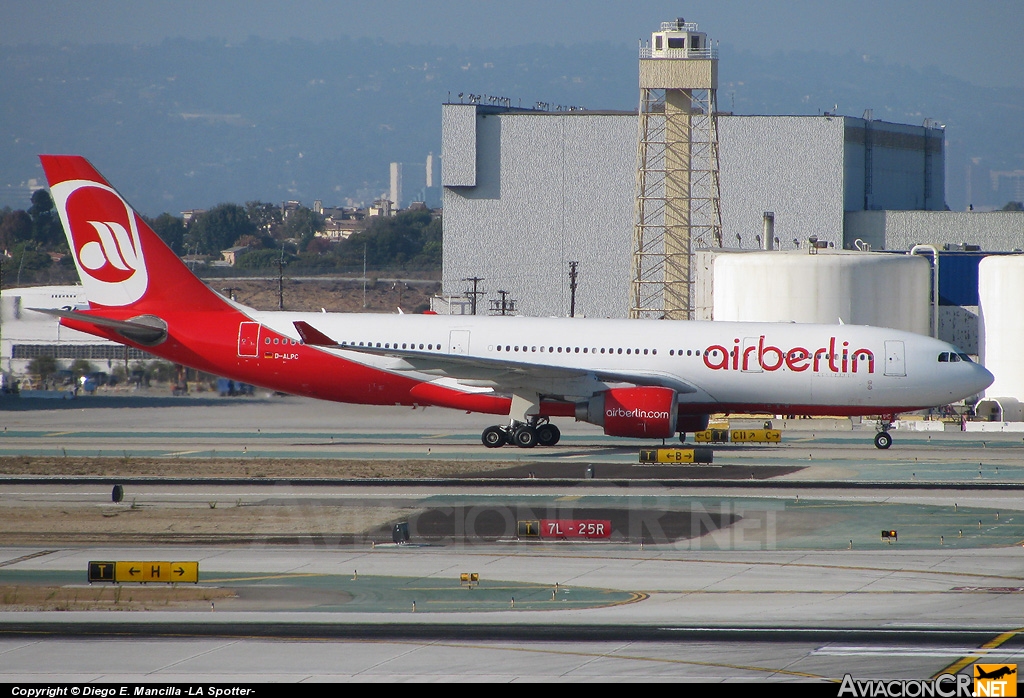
(888, 651)
(31, 556)
(981, 653)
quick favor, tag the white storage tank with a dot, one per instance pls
(859, 288)
(1001, 323)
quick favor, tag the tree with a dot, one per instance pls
(303, 224)
(27, 259)
(46, 228)
(81, 367)
(42, 367)
(219, 228)
(266, 217)
(170, 229)
(15, 227)
(1014, 206)
(411, 239)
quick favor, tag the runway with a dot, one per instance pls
(781, 578)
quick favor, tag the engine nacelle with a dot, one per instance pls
(645, 412)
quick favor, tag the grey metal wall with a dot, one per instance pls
(526, 192)
(907, 166)
(996, 231)
(792, 165)
(548, 189)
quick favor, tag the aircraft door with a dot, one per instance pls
(748, 360)
(458, 342)
(895, 364)
(248, 339)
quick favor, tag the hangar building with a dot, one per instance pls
(526, 192)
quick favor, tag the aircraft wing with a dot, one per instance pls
(502, 374)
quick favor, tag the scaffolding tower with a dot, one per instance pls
(677, 180)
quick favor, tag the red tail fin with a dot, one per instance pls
(122, 263)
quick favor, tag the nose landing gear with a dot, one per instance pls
(882, 439)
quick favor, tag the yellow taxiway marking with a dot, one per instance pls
(186, 453)
(61, 433)
(990, 645)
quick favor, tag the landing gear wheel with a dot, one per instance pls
(493, 437)
(525, 437)
(548, 435)
(883, 440)
(682, 437)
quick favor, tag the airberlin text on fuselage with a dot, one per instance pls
(635, 414)
(766, 357)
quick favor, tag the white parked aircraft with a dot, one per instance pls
(635, 378)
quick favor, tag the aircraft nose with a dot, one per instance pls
(981, 378)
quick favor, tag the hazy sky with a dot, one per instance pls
(981, 41)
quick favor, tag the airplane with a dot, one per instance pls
(994, 674)
(634, 378)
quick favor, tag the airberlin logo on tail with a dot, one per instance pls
(756, 355)
(104, 237)
(112, 258)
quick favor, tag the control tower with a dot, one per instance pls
(677, 182)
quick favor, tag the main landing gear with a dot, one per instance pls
(536, 431)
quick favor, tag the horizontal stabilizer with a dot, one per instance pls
(312, 336)
(147, 330)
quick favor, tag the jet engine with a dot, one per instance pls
(643, 412)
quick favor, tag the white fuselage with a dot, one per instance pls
(853, 369)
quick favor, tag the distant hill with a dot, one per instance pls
(189, 124)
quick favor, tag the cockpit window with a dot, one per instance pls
(954, 357)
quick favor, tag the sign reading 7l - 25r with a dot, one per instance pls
(135, 571)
